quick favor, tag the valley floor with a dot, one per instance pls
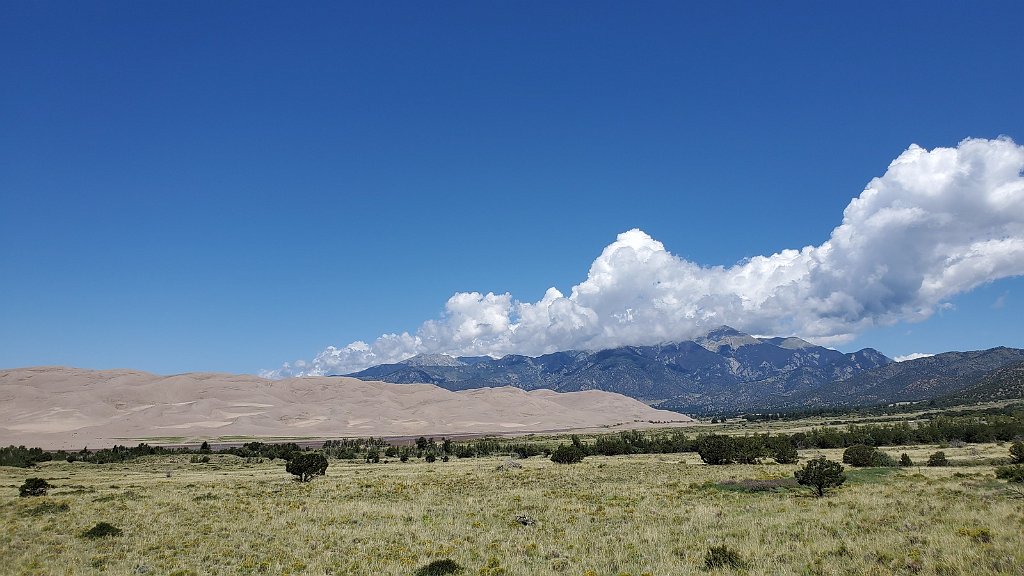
(642, 514)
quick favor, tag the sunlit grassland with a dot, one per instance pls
(640, 514)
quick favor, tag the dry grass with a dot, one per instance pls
(649, 514)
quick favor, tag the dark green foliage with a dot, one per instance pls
(439, 568)
(21, 457)
(938, 459)
(883, 460)
(782, 450)
(1017, 452)
(723, 557)
(905, 460)
(34, 487)
(102, 530)
(748, 449)
(373, 456)
(859, 455)
(204, 447)
(306, 466)
(1012, 473)
(430, 457)
(284, 451)
(821, 474)
(570, 454)
(715, 449)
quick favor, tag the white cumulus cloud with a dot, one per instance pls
(938, 223)
(912, 356)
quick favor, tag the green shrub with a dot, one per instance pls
(748, 449)
(102, 530)
(860, 455)
(430, 458)
(820, 474)
(1012, 473)
(938, 459)
(1017, 452)
(439, 568)
(723, 557)
(905, 460)
(883, 460)
(716, 449)
(568, 454)
(983, 535)
(783, 451)
(306, 466)
(34, 487)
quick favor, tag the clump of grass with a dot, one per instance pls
(206, 497)
(439, 568)
(127, 495)
(47, 508)
(723, 557)
(983, 535)
(102, 530)
(751, 485)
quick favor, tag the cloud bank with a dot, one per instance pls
(913, 356)
(936, 224)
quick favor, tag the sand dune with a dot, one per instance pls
(56, 407)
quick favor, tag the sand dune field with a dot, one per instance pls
(57, 407)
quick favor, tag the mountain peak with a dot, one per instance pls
(725, 336)
(724, 330)
(432, 360)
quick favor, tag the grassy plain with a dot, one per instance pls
(639, 514)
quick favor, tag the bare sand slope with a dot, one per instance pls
(56, 407)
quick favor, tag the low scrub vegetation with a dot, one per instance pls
(307, 466)
(820, 474)
(34, 487)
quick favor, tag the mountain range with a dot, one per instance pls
(723, 371)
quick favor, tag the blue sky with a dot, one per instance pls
(228, 186)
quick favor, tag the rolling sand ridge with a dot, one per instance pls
(69, 408)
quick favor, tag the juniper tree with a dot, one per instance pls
(820, 474)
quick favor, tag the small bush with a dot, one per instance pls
(102, 530)
(723, 557)
(34, 487)
(983, 535)
(1017, 452)
(567, 454)
(306, 466)
(883, 460)
(716, 449)
(821, 474)
(860, 455)
(905, 460)
(439, 568)
(430, 458)
(784, 452)
(938, 459)
(1014, 473)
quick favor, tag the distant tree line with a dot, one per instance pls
(990, 425)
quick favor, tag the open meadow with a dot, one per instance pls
(655, 514)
